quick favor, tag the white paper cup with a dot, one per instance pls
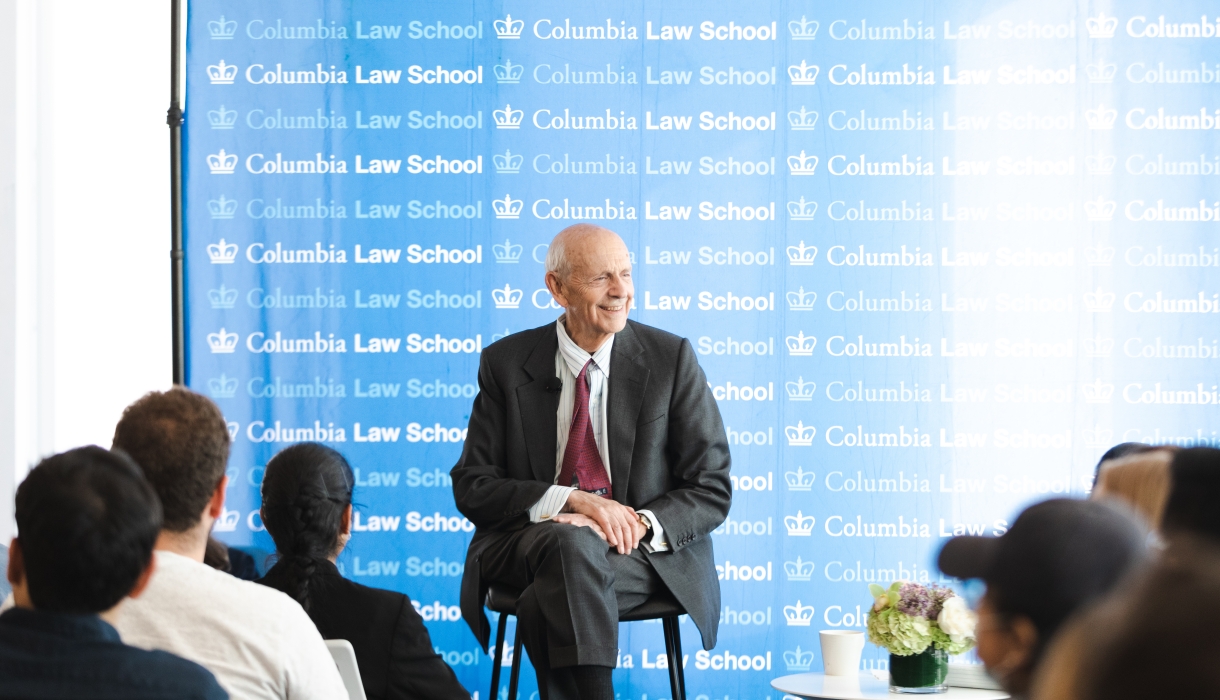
(841, 651)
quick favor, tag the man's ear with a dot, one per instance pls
(555, 287)
(216, 506)
(145, 577)
(16, 563)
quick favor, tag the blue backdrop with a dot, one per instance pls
(934, 257)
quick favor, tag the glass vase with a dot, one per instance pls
(919, 674)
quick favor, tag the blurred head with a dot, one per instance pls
(86, 525)
(1194, 496)
(1122, 449)
(588, 272)
(1139, 481)
(180, 440)
(1058, 556)
(307, 509)
(1154, 638)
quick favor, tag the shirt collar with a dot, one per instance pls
(80, 627)
(575, 356)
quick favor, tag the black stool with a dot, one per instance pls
(504, 601)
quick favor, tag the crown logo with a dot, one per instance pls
(798, 660)
(801, 300)
(1101, 118)
(801, 210)
(222, 163)
(508, 118)
(802, 164)
(1098, 436)
(1101, 26)
(222, 253)
(1098, 301)
(803, 29)
(1101, 72)
(1100, 209)
(798, 615)
(799, 571)
(507, 208)
(803, 74)
(799, 525)
(508, 28)
(1100, 164)
(507, 298)
(1098, 347)
(227, 522)
(222, 118)
(506, 252)
(222, 387)
(220, 29)
(222, 342)
(800, 480)
(222, 208)
(804, 120)
(801, 255)
(222, 298)
(801, 345)
(232, 426)
(507, 163)
(801, 390)
(222, 73)
(1097, 392)
(800, 435)
(509, 73)
(1099, 256)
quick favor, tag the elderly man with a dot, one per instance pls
(595, 467)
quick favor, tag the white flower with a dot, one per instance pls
(957, 620)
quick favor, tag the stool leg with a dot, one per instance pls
(669, 625)
(515, 674)
(677, 633)
(498, 657)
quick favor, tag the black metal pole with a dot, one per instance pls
(174, 119)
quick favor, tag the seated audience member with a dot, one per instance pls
(1122, 449)
(1058, 556)
(1154, 638)
(1140, 482)
(1194, 496)
(257, 641)
(307, 509)
(86, 524)
(232, 560)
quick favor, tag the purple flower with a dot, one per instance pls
(914, 600)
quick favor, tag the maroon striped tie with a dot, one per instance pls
(582, 463)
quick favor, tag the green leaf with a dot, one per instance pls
(876, 590)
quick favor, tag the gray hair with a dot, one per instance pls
(557, 259)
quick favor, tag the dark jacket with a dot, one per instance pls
(60, 655)
(393, 649)
(668, 454)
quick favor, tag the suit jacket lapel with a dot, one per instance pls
(538, 407)
(628, 380)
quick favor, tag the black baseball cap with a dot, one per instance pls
(1059, 555)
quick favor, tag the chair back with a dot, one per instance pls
(345, 658)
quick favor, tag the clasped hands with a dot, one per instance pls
(617, 524)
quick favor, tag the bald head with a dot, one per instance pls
(588, 272)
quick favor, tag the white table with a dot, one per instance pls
(865, 687)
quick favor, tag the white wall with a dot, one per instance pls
(84, 222)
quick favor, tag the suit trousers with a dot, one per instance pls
(574, 587)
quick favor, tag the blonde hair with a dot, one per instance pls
(1140, 481)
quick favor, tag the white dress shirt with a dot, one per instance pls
(570, 359)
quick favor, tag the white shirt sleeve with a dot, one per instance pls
(310, 672)
(550, 504)
(657, 542)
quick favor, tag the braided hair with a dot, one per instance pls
(306, 488)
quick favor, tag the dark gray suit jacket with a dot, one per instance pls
(668, 454)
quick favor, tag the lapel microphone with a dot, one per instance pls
(553, 385)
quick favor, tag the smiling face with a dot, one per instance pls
(597, 290)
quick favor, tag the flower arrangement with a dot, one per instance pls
(908, 618)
